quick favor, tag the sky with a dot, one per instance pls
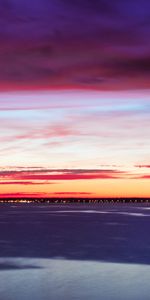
(74, 98)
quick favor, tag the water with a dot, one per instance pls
(78, 251)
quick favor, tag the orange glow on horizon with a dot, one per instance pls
(102, 189)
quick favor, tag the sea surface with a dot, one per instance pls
(74, 251)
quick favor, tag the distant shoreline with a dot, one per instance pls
(75, 200)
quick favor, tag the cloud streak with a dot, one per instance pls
(142, 166)
(43, 176)
(60, 174)
(72, 193)
(22, 195)
(24, 182)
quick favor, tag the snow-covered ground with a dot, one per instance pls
(58, 279)
(74, 252)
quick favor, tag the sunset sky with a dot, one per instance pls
(75, 98)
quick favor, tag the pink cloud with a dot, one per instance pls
(24, 182)
(144, 177)
(60, 130)
(22, 195)
(60, 174)
(71, 193)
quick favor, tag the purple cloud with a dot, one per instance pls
(88, 44)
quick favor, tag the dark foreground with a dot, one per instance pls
(74, 251)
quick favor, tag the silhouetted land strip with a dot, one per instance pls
(75, 200)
